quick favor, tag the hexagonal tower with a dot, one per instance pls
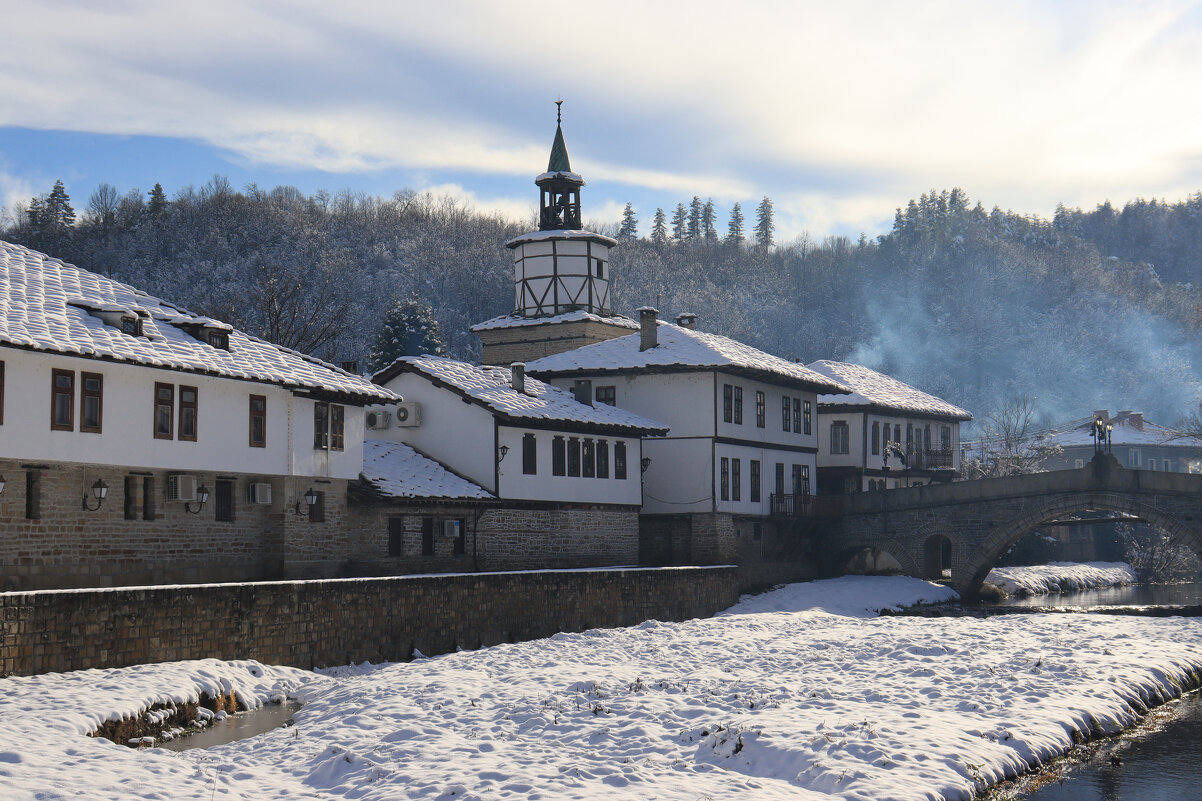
(561, 276)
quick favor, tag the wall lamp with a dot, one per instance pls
(202, 495)
(310, 501)
(100, 490)
(644, 463)
(504, 449)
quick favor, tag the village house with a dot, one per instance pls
(1136, 443)
(736, 471)
(532, 475)
(141, 443)
(884, 435)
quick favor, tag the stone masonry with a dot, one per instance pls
(321, 623)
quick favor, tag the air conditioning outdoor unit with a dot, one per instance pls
(378, 420)
(450, 528)
(409, 415)
(181, 488)
(260, 493)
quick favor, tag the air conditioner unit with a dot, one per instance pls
(181, 488)
(378, 420)
(260, 493)
(409, 415)
(450, 528)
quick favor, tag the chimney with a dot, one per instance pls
(648, 328)
(687, 320)
(1137, 420)
(350, 367)
(517, 376)
(582, 389)
(1102, 414)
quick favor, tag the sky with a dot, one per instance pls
(839, 112)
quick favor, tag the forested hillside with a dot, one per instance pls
(1092, 309)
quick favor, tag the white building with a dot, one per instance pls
(743, 438)
(885, 434)
(564, 474)
(1136, 443)
(142, 443)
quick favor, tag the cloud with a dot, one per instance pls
(825, 107)
(15, 191)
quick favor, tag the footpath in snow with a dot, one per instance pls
(1061, 577)
(801, 693)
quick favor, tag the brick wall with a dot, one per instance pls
(68, 546)
(519, 538)
(322, 623)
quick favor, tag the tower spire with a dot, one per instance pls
(559, 187)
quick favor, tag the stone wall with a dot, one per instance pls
(321, 623)
(525, 343)
(515, 538)
(155, 541)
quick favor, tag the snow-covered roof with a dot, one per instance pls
(47, 304)
(517, 320)
(568, 174)
(1125, 432)
(491, 388)
(870, 388)
(562, 233)
(396, 470)
(682, 349)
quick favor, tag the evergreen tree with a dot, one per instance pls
(709, 218)
(694, 229)
(680, 222)
(158, 201)
(58, 213)
(659, 228)
(764, 227)
(734, 231)
(630, 224)
(408, 329)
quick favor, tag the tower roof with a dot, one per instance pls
(559, 153)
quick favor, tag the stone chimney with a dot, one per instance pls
(687, 320)
(582, 390)
(517, 379)
(648, 328)
(1136, 419)
(1102, 414)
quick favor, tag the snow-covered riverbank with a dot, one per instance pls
(1061, 577)
(800, 693)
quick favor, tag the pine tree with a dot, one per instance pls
(734, 231)
(709, 218)
(630, 224)
(694, 229)
(659, 228)
(158, 201)
(764, 227)
(408, 329)
(58, 214)
(680, 221)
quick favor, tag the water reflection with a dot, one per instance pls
(1133, 595)
(1163, 765)
(237, 727)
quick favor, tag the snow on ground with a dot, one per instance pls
(799, 694)
(1061, 577)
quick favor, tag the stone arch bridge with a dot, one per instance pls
(982, 519)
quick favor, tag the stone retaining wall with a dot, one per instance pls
(320, 623)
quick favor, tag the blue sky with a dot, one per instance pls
(839, 112)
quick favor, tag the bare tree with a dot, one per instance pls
(1010, 444)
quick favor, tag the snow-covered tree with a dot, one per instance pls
(158, 201)
(764, 226)
(734, 231)
(709, 219)
(630, 223)
(694, 225)
(408, 329)
(680, 222)
(659, 228)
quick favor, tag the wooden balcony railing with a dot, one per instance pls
(929, 458)
(800, 505)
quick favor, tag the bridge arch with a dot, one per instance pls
(895, 548)
(969, 579)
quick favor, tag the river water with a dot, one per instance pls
(1159, 760)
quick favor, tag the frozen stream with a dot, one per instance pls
(237, 727)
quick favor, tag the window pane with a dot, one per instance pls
(529, 455)
(602, 459)
(91, 412)
(337, 426)
(589, 456)
(559, 459)
(620, 460)
(573, 456)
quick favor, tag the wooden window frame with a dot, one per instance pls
(620, 460)
(607, 394)
(170, 404)
(780, 478)
(261, 416)
(529, 455)
(736, 479)
(602, 458)
(841, 445)
(738, 405)
(724, 480)
(876, 438)
(797, 416)
(728, 403)
(317, 512)
(808, 413)
(588, 458)
(84, 394)
(756, 492)
(574, 457)
(760, 409)
(559, 456)
(786, 413)
(54, 393)
(194, 405)
(321, 426)
(337, 427)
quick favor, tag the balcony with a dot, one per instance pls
(804, 505)
(928, 458)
